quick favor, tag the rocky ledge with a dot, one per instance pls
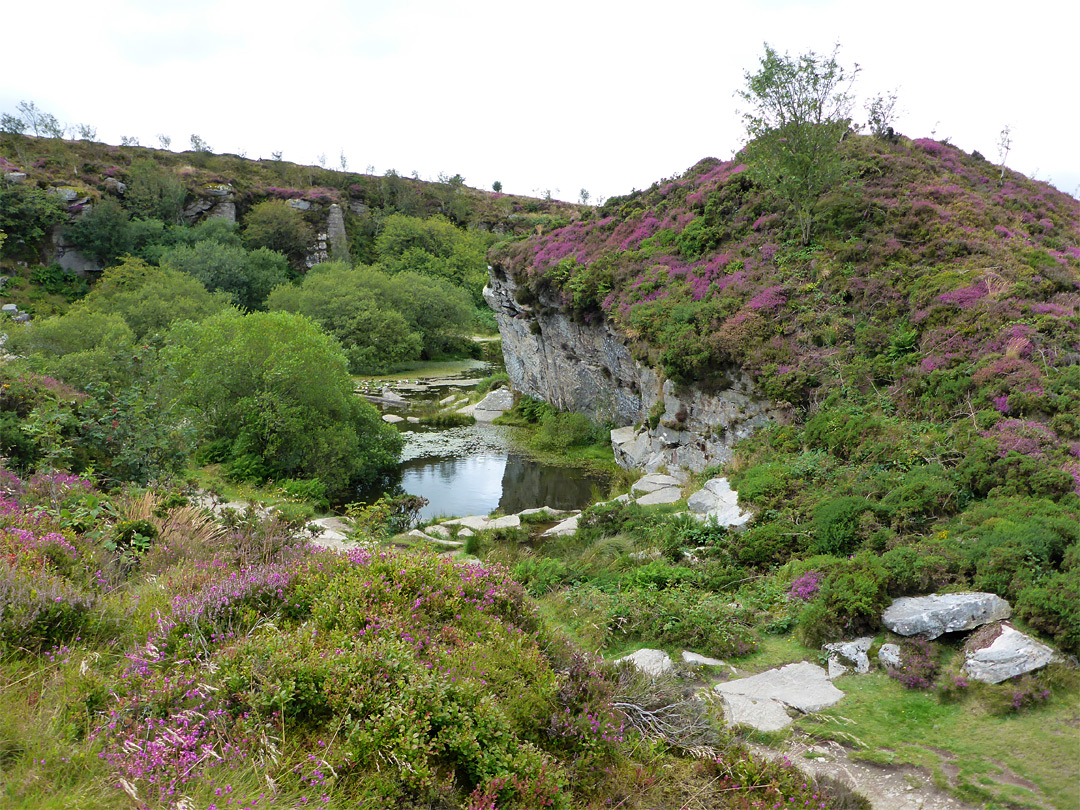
(587, 367)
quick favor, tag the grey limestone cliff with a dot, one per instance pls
(589, 368)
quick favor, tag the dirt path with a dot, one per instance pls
(887, 787)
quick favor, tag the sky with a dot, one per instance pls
(559, 96)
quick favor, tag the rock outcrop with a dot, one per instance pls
(653, 663)
(589, 368)
(932, 615)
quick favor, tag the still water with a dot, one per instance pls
(473, 470)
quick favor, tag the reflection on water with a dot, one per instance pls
(470, 471)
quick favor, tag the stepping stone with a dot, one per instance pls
(803, 686)
(547, 510)
(759, 713)
(482, 523)
(1012, 653)
(661, 496)
(392, 419)
(932, 615)
(412, 420)
(653, 663)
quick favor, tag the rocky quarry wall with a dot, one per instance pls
(589, 368)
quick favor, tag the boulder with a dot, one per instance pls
(660, 496)
(412, 420)
(653, 482)
(494, 405)
(438, 530)
(653, 663)
(390, 395)
(482, 523)
(299, 205)
(803, 686)
(568, 526)
(849, 652)
(15, 177)
(889, 655)
(695, 660)
(702, 502)
(392, 419)
(932, 615)
(1010, 654)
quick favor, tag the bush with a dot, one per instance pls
(836, 525)
(919, 664)
(849, 602)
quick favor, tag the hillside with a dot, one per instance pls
(920, 359)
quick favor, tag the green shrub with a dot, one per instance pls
(836, 525)
(850, 600)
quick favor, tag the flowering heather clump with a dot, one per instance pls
(805, 587)
(1026, 438)
(918, 664)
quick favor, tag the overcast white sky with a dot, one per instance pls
(560, 95)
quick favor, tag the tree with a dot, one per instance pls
(800, 112)
(276, 225)
(275, 390)
(247, 276)
(150, 299)
(497, 187)
(153, 192)
(26, 215)
(434, 247)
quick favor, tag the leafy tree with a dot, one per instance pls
(800, 110)
(434, 247)
(26, 215)
(153, 193)
(353, 306)
(276, 225)
(248, 276)
(275, 389)
(497, 187)
(150, 299)
(103, 233)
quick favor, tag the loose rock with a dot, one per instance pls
(653, 663)
(1012, 653)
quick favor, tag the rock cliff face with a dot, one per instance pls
(589, 368)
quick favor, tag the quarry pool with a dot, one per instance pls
(475, 469)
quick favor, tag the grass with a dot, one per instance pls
(1023, 760)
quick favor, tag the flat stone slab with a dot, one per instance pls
(702, 501)
(661, 496)
(546, 510)
(392, 419)
(803, 686)
(932, 615)
(653, 663)
(760, 713)
(695, 660)
(568, 526)
(1010, 654)
(653, 482)
(482, 523)
(390, 395)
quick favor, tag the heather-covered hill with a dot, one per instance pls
(927, 341)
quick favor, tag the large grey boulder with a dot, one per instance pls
(493, 405)
(1012, 653)
(932, 615)
(653, 663)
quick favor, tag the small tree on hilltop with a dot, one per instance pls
(800, 111)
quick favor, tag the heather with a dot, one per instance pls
(924, 340)
(233, 664)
